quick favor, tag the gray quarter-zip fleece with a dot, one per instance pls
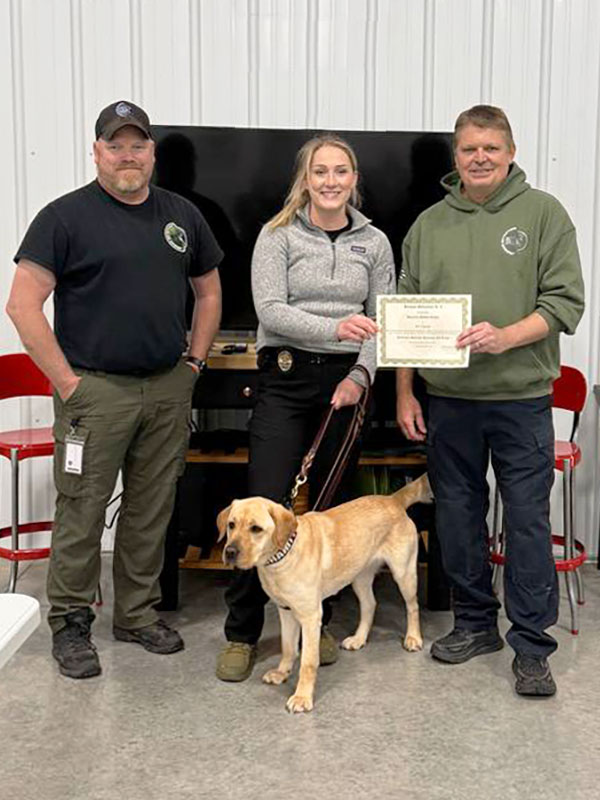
(303, 284)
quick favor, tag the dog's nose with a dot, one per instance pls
(231, 553)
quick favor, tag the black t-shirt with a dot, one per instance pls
(333, 235)
(121, 275)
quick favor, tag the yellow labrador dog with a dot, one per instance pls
(303, 559)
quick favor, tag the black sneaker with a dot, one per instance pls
(72, 646)
(460, 645)
(533, 676)
(156, 638)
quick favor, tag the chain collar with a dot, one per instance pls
(282, 553)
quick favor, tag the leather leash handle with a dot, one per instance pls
(333, 479)
(339, 466)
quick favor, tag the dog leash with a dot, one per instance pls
(337, 470)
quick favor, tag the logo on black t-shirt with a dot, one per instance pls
(176, 237)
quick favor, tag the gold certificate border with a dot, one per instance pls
(462, 354)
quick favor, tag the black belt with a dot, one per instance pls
(130, 373)
(282, 355)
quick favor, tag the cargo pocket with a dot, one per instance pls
(68, 483)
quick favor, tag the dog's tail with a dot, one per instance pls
(418, 491)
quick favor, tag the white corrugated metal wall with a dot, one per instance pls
(335, 64)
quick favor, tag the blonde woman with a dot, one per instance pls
(317, 269)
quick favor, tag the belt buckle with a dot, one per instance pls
(285, 360)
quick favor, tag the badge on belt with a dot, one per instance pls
(285, 360)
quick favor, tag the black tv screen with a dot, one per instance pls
(238, 178)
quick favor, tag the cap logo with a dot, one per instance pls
(175, 237)
(123, 110)
(514, 241)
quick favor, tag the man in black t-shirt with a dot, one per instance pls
(118, 255)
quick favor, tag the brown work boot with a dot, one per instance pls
(328, 648)
(236, 661)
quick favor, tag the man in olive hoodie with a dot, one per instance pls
(514, 250)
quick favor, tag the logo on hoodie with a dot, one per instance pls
(514, 241)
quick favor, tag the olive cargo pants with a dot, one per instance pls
(138, 425)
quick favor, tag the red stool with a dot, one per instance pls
(19, 377)
(569, 393)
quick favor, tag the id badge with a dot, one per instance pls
(74, 453)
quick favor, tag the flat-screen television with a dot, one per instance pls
(239, 177)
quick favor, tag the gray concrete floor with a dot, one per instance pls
(387, 723)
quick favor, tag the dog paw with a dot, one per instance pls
(298, 703)
(275, 676)
(413, 643)
(353, 643)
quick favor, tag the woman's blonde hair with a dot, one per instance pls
(297, 196)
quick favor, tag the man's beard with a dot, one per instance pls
(129, 181)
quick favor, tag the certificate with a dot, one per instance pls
(420, 330)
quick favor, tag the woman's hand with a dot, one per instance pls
(347, 393)
(357, 328)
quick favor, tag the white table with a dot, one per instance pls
(19, 617)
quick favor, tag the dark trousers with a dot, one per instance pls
(520, 438)
(285, 420)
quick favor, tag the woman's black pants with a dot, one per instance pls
(285, 420)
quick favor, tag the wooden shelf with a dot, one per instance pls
(240, 456)
(237, 456)
(409, 460)
(216, 359)
(193, 558)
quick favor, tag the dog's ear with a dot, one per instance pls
(285, 522)
(222, 522)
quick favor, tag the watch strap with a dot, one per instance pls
(200, 363)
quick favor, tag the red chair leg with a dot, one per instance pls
(580, 591)
(497, 543)
(14, 523)
(15, 554)
(571, 581)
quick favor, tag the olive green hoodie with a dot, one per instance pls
(515, 253)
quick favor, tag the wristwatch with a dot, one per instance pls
(197, 364)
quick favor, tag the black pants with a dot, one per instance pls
(288, 412)
(520, 437)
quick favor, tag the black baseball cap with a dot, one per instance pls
(118, 115)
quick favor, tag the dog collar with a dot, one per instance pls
(280, 554)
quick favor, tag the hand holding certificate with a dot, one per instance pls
(420, 330)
